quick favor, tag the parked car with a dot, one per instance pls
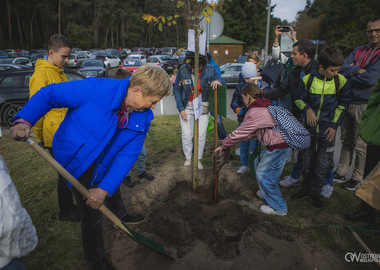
(75, 59)
(241, 59)
(230, 73)
(131, 64)
(168, 50)
(35, 56)
(164, 61)
(14, 91)
(8, 67)
(140, 57)
(17, 61)
(3, 54)
(92, 67)
(110, 61)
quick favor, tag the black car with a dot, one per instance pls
(14, 92)
(94, 68)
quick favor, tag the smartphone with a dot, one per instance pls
(284, 28)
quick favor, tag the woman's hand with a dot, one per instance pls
(183, 115)
(218, 150)
(19, 129)
(97, 197)
(215, 84)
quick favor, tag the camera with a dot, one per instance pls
(284, 28)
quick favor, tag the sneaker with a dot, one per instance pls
(266, 209)
(187, 162)
(259, 194)
(242, 170)
(289, 181)
(351, 185)
(128, 182)
(302, 194)
(316, 200)
(146, 175)
(327, 191)
(131, 218)
(200, 166)
(339, 178)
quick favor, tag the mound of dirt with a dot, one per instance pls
(201, 234)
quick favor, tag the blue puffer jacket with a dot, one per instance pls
(183, 84)
(89, 131)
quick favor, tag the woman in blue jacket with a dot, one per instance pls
(100, 138)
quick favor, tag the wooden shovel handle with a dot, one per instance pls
(76, 184)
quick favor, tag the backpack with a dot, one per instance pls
(273, 72)
(291, 130)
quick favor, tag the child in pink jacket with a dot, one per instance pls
(258, 124)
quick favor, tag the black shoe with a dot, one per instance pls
(147, 176)
(339, 178)
(74, 215)
(102, 264)
(351, 185)
(316, 200)
(132, 218)
(128, 182)
(302, 194)
(366, 213)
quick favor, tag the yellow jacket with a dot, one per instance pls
(46, 73)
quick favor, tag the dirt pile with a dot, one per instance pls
(201, 234)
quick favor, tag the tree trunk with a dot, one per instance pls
(9, 21)
(59, 16)
(196, 130)
(19, 28)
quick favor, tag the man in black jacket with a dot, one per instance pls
(302, 56)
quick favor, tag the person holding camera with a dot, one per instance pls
(184, 96)
(276, 49)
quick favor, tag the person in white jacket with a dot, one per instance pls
(276, 49)
(17, 234)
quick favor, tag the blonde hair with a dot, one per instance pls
(153, 80)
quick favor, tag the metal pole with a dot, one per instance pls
(267, 35)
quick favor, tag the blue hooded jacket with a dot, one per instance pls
(89, 131)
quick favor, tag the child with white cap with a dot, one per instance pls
(249, 73)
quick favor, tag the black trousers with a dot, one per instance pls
(65, 196)
(317, 161)
(91, 223)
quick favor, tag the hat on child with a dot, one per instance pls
(249, 70)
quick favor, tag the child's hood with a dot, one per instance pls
(42, 63)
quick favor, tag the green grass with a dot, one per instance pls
(60, 247)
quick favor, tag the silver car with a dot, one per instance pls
(230, 73)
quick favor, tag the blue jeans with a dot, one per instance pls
(15, 264)
(268, 167)
(297, 170)
(221, 131)
(244, 150)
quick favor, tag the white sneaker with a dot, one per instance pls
(259, 194)
(200, 166)
(327, 191)
(289, 181)
(187, 162)
(242, 170)
(266, 209)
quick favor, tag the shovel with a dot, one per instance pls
(76, 184)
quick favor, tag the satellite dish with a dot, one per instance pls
(215, 27)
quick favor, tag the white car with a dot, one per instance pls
(140, 57)
(110, 61)
(17, 61)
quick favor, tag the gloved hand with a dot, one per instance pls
(238, 110)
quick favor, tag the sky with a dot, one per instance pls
(287, 9)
